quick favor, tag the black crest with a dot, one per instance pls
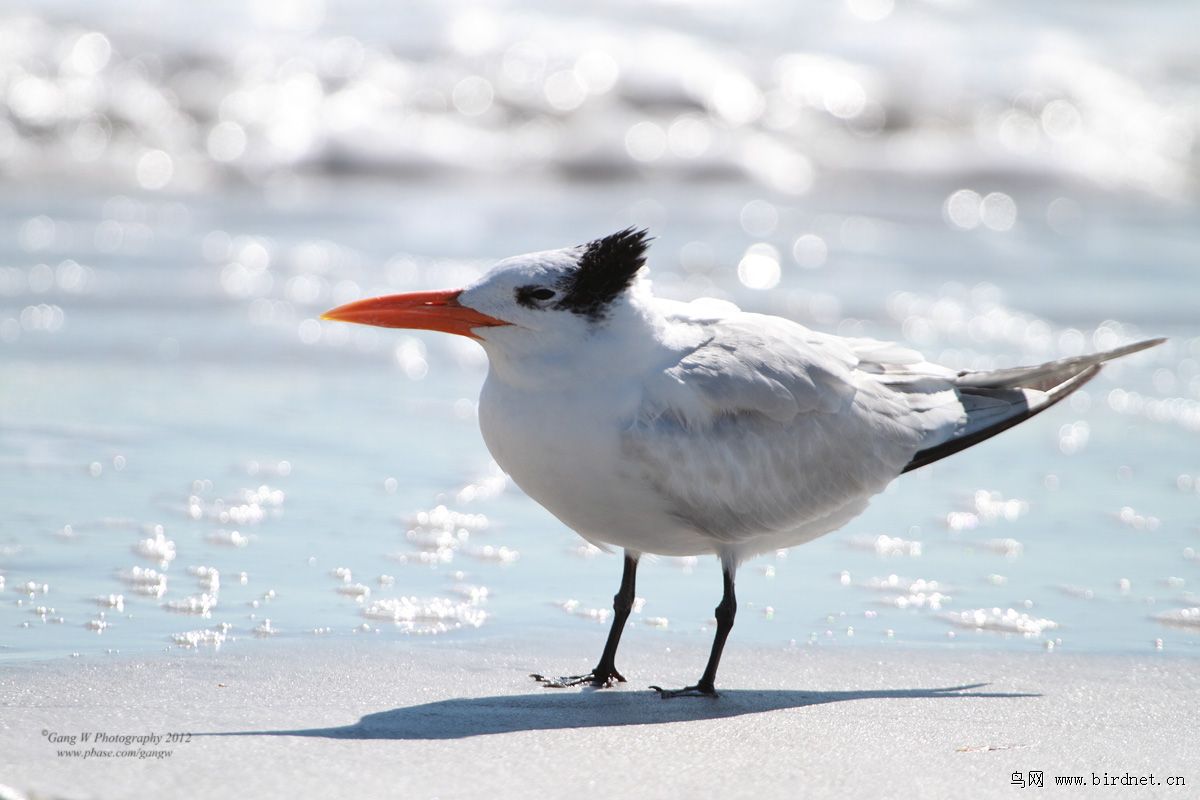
(606, 268)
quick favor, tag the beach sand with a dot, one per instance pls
(440, 718)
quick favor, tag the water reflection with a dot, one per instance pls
(496, 93)
(185, 197)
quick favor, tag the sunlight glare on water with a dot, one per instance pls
(192, 459)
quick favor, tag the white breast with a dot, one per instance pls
(564, 451)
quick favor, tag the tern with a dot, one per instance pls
(684, 429)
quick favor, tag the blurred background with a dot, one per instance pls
(190, 459)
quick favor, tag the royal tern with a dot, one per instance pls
(696, 428)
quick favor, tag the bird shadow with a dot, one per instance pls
(482, 716)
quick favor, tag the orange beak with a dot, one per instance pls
(431, 311)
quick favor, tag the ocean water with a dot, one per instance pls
(190, 460)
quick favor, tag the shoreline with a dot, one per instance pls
(452, 719)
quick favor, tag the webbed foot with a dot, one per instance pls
(699, 690)
(600, 678)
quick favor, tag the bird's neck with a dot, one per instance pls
(632, 340)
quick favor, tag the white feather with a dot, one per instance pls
(684, 429)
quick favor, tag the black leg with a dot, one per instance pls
(725, 612)
(606, 671)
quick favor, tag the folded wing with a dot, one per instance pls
(767, 427)
(996, 400)
(768, 434)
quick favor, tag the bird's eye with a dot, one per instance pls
(530, 296)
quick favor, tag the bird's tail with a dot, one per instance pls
(999, 399)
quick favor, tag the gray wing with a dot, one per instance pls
(767, 427)
(997, 400)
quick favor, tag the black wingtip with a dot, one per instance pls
(1136, 347)
(948, 448)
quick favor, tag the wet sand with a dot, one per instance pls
(436, 718)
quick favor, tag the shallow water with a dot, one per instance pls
(169, 401)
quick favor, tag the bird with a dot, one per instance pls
(683, 429)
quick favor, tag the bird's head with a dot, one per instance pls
(557, 294)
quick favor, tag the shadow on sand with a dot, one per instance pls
(479, 716)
